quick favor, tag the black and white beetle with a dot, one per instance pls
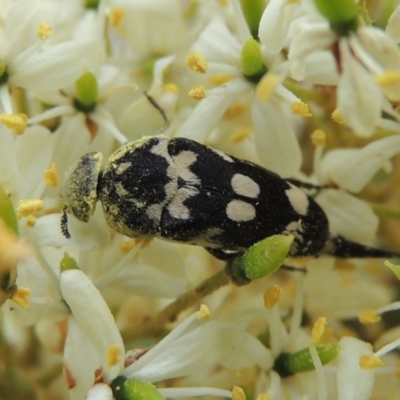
(180, 190)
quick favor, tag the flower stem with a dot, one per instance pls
(156, 325)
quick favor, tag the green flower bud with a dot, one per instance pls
(67, 263)
(7, 212)
(86, 92)
(94, 4)
(3, 72)
(253, 10)
(342, 14)
(134, 389)
(288, 364)
(251, 60)
(262, 258)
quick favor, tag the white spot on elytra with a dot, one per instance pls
(298, 199)
(121, 191)
(123, 167)
(222, 155)
(240, 211)
(176, 208)
(182, 162)
(245, 186)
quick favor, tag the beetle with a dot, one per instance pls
(183, 191)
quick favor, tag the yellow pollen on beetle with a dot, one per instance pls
(387, 78)
(337, 116)
(116, 17)
(272, 296)
(44, 31)
(170, 87)
(318, 138)
(240, 134)
(197, 62)
(318, 330)
(113, 355)
(51, 176)
(28, 207)
(238, 393)
(218, 80)
(21, 296)
(369, 317)
(31, 221)
(301, 109)
(204, 312)
(198, 92)
(266, 86)
(16, 122)
(370, 362)
(234, 111)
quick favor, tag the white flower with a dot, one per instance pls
(275, 142)
(367, 58)
(34, 64)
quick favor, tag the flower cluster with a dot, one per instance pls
(309, 89)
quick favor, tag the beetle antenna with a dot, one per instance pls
(154, 103)
(64, 223)
(340, 247)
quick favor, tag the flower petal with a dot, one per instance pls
(276, 142)
(353, 382)
(352, 169)
(359, 97)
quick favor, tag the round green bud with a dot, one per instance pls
(86, 92)
(134, 389)
(251, 60)
(342, 14)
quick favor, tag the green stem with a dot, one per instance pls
(170, 313)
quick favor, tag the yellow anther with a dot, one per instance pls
(21, 296)
(44, 31)
(369, 317)
(272, 296)
(116, 17)
(127, 245)
(16, 122)
(218, 80)
(198, 92)
(388, 78)
(370, 362)
(263, 396)
(170, 87)
(342, 265)
(337, 116)
(204, 312)
(238, 393)
(241, 134)
(318, 330)
(27, 207)
(318, 138)
(234, 111)
(51, 176)
(301, 109)
(223, 2)
(197, 62)
(113, 355)
(31, 221)
(267, 86)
